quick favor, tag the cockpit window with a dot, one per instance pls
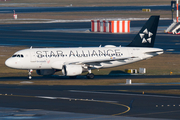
(14, 56)
(18, 55)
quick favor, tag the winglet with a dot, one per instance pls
(146, 36)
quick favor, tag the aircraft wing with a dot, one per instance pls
(154, 52)
(89, 62)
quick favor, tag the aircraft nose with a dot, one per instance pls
(9, 63)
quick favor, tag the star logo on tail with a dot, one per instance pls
(146, 36)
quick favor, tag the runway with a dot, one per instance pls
(89, 102)
(97, 77)
(95, 100)
(79, 9)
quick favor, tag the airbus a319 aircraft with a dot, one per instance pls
(74, 61)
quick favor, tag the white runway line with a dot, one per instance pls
(76, 99)
(142, 95)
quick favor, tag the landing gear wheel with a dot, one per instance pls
(29, 74)
(90, 76)
(30, 77)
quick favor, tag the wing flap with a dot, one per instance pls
(89, 62)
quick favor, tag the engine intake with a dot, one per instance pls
(72, 70)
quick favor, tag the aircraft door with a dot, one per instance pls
(32, 56)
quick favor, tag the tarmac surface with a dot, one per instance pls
(89, 102)
(98, 77)
(72, 35)
(39, 102)
(79, 9)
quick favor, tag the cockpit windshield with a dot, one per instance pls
(18, 55)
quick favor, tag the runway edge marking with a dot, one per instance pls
(87, 100)
(143, 95)
(128, 108)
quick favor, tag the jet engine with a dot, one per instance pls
(72, 70)
(45, 72)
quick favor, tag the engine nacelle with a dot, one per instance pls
(45, 72)
(72, 70)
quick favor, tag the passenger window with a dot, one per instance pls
(18, 55)
(22, 56)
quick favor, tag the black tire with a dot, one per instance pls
(29, 77)
(90, 76)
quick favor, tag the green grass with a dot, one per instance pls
(91, 81)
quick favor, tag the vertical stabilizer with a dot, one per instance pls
(146, 36)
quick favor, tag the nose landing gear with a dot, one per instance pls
(29, 74)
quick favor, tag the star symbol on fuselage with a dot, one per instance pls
(146, 36)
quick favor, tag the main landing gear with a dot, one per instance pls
(29, 74)
(90, 75)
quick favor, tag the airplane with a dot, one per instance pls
(75, 61)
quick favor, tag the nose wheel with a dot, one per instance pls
(29, 74)
(30, 77)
